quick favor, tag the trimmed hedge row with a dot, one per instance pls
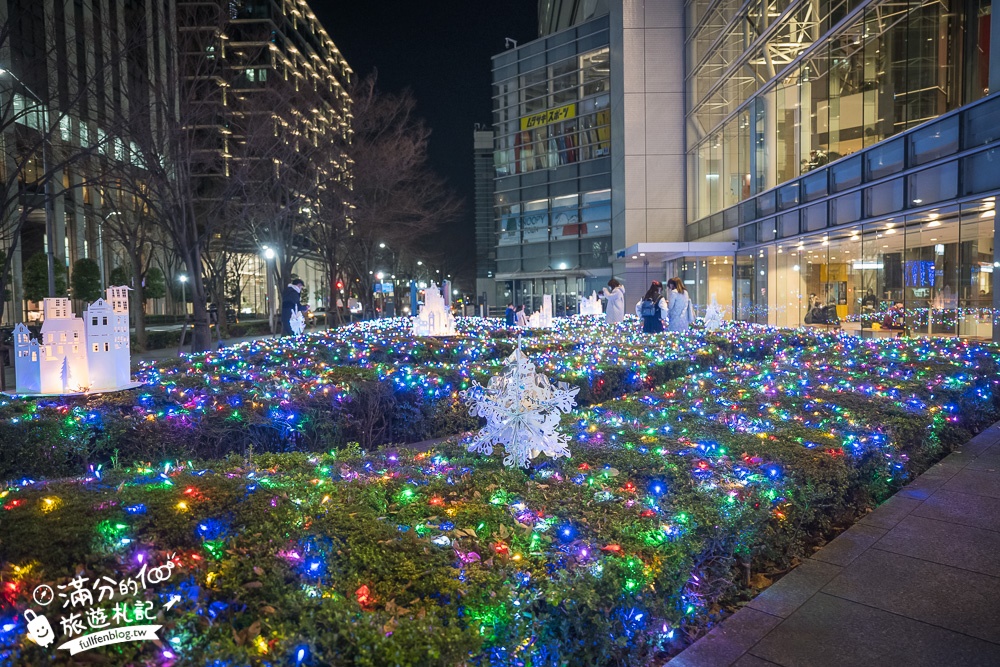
(675, 503)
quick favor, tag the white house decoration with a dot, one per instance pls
(591, 305)
(434, 317)
(76, 355)
(543, 318)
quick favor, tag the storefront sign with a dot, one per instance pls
(547, 117)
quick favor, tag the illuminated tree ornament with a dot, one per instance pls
(713, 316)
(522, 409)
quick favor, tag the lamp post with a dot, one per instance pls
(100, 244)
(50, 231)
(392, 268)
(268, 301)
(184, 302)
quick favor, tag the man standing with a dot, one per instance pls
(509, 315)
(290, 304)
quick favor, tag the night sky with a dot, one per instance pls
(441, 50)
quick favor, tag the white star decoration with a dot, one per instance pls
(522, 411)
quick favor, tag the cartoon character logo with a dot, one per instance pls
(39, 630)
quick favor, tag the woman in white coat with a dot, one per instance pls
(680, 312)
(520, 317)
(614, 313)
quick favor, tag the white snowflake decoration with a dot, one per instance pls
(522, 411)
(713, 316)
(297, 322)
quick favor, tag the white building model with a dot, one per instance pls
(434, 318)
(543, 318)
(591, 305)
(76, 355)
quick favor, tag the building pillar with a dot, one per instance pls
(994, 80)
(996, 256)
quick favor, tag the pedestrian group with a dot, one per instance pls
(671, 311)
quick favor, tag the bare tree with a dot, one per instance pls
(395, 200)
(177, 133)
(131, 227)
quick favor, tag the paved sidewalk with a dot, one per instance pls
(914, 583)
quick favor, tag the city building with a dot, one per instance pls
(68, 69)
(247, 59)
(552, 160)
(850, 148)
(486, 247)
(778, 156)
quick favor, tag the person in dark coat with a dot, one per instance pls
(290, 302)
(508, 315)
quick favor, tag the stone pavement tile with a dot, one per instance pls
(849, 544)
(988, 460)
(980, 482)
(929, 482)
(788, 593)
(728, 641)
(891, 512)
(829, 631)
(981, 442)
(753, 661)
(946, 543)
(964, 508)
(958, 459)
(941, 595)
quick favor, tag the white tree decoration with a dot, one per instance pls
(522, 411)
(713, 316)
(297, 323)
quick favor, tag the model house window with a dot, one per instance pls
(95, 347)
(94, 323)
(62, 338)
(34, 356)
(105, 321)
(107, 348)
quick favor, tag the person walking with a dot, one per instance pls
(614, 313)
(508, 315)
(680, 312)
(520, 317)
(652, 308)
(290, 303)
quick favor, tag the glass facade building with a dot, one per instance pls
(776, 154)
(552, 148)
(851, 150)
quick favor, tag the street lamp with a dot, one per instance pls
(269, 256)
(100, 244)
(184, 302)
(49, 217)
